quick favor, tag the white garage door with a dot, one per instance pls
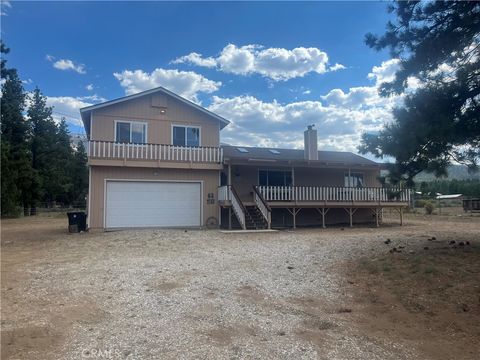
(152, 204)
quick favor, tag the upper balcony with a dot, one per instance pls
(109, 153)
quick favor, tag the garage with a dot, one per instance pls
(137, 204)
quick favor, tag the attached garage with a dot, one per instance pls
(137, 204)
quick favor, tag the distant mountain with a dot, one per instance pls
(457, 172)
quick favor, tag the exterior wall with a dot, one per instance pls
(245, 177)
(159, 124)
(210, 180)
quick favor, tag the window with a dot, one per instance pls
(355, 180)
(186, 136)
(274, 178)
(273, 151)
(130, 132)
(242, 150)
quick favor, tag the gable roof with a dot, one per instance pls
(86, 111)
(295, 155)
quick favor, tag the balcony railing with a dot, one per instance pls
(334, 194)
(159, 152)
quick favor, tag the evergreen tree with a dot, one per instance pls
(438, 43)
(16, 168)
(45, 145)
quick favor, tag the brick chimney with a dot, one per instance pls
(311, 143)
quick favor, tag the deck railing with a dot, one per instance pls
(228, 193)
(161, 152)
(334, 194)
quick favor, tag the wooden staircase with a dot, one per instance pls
(254, 220)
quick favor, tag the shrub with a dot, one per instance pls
(429, 207)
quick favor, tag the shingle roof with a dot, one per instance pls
(259, 153)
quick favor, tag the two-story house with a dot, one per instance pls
(155, 160)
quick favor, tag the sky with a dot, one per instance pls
(271, 68)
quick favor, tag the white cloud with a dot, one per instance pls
(385, 72)
(185, 83)
(272, 124)
(277, 64)
(196, 59)
(337, 67)
(68, 107)
(89, 87)
(67, 64)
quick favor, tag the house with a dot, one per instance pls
(155, 160)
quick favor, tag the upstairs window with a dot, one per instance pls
(130, 132)
(354, 180)
(186, 136)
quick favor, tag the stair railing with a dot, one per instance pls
(237, 206)
(262, 205)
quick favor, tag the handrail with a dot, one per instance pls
(334, 193)
(158, 152)
(238, 207)
(262, 205)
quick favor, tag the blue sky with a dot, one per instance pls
(270, 68)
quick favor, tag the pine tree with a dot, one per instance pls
(44, 148)
(16, 167)
(438, 43)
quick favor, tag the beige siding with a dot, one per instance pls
(244, 177)
(159, 124)
(100, 173)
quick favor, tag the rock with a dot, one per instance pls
(465, 307)
(467, 243)
(388, 241)
(290, 267)
(401, 247)
(411, 252)
(425, 248)
(452, 242)
(342, 229)
(461, 243)
(393, 250)
(344, 310)
(281, 333)
(434, 238)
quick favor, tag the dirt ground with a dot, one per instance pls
(335, 293)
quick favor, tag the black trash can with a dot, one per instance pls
(77, 221)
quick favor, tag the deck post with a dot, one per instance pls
(294, 218)
(230, 218)
(323, 211)
(401, 216)
(376, 215)
(351, 216)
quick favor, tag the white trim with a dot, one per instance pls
(130, 122)
(89, 214)
(151, 91)
(186, 126)
(202, 223)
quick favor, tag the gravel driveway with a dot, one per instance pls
(185, 294)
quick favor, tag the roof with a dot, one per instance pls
(295, 155)
(449, 197)
(85, 112)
